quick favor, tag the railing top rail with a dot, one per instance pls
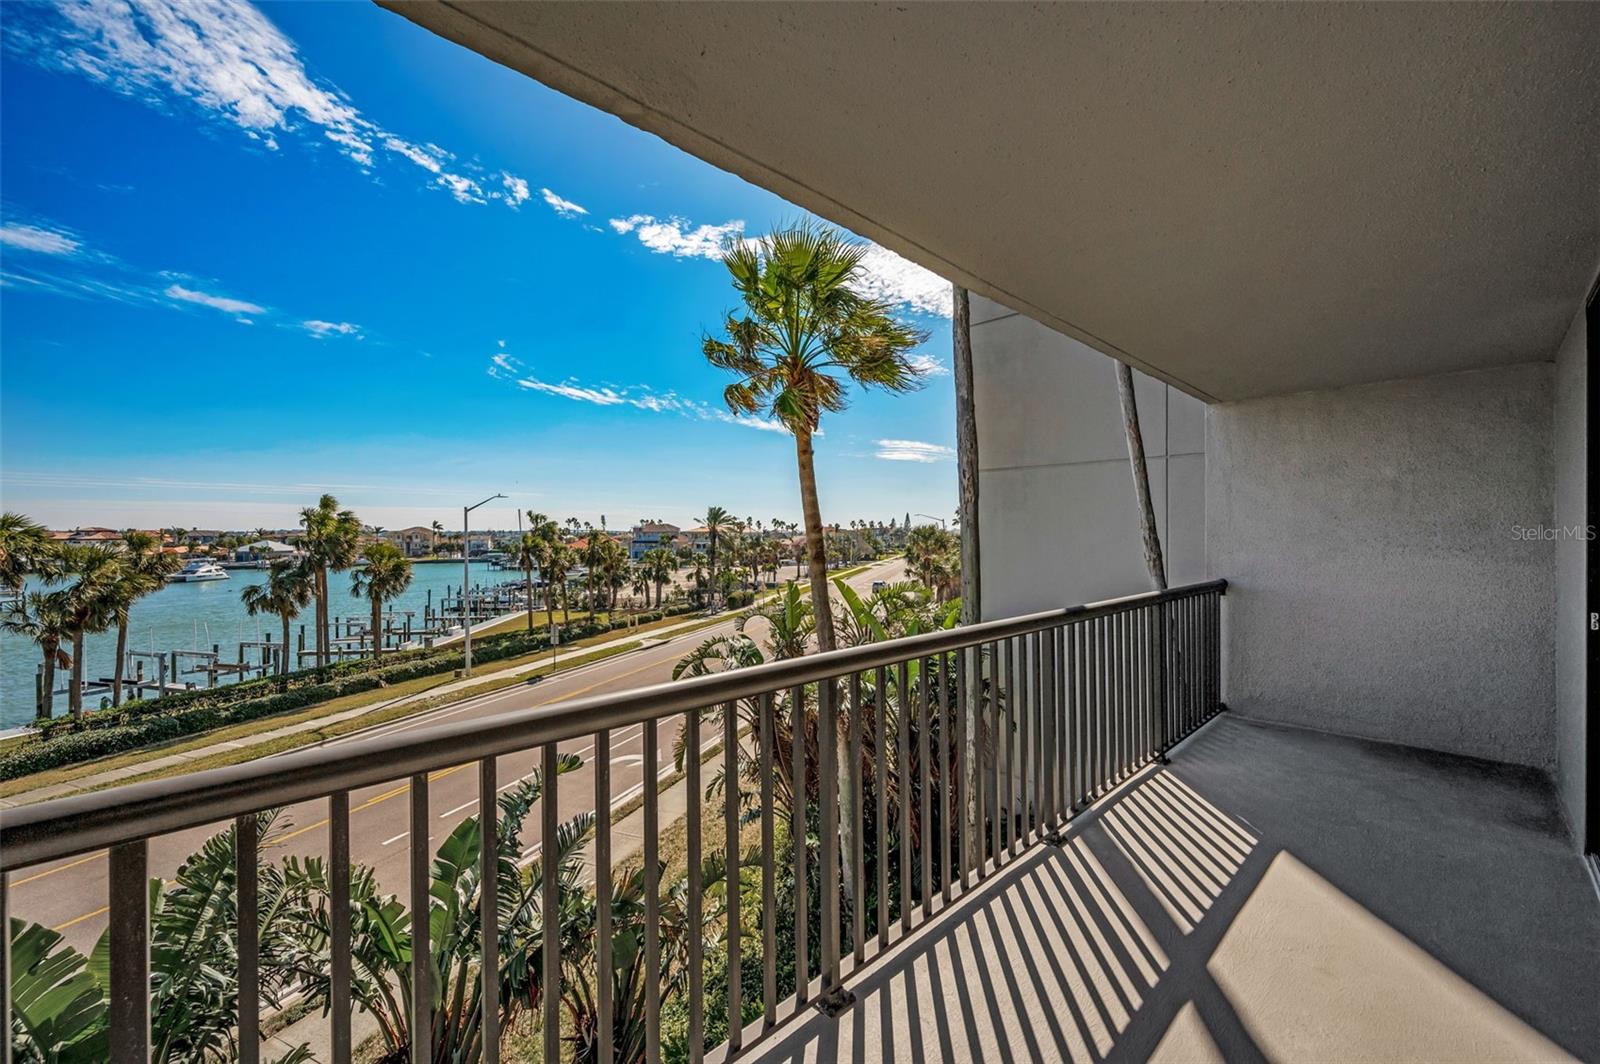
(64, 827)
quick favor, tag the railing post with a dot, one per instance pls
(339, 924)
(834, 997)
(652, 897)
(245, 853)
(489, 908)
(5, 969)
(550, 901)
(128, 881)
(421, 949)
(1163, 694)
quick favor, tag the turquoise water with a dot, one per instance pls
(194, 616)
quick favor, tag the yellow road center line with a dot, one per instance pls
(81, 919)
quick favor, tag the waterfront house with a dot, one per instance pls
(648, 535)
(416, 541)
(1333, 794)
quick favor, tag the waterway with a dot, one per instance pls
(196, 616)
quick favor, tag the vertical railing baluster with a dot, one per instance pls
(964, 763)
(604, 1005)
(769, 870)
(880, 751)
(489, 906)
(696, 933)
(1052, 666)
(858, 851)
(5, 968)
(1028, 736)
(802, 889)
(1010, 811)
(1106, 719)
(902, 766)
(128, 884)
(828, 888)
(1119, 641)
(652, 894)
(731, 870)
(996, 746)
(945, 835)
(1075, 715)
(421, 948)
(550, 899)
(1033, 732)
(339, 925)
(245, 856)
(925, 791)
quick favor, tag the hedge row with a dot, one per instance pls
(68, 740)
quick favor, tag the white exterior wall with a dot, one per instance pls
(1058, 516)
(1572, 572)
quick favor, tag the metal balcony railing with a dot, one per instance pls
(960, 749)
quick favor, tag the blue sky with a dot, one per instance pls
(252, 253)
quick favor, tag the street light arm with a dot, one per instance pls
(491, 498)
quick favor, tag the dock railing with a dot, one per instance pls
(953, 751)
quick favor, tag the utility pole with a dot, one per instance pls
(466, 582)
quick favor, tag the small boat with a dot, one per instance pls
(199, 570)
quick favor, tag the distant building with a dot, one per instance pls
(202, 537)
(649, 535)
(698, 540)
(267, 549)
(416, 541)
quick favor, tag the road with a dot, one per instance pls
(70, 895)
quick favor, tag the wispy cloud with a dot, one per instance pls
(564, 207)
(680, 237)
(322, 329)
(229, 60)
(913, 451)
(928, 366)
(882, 275)
(34, 238)
(516, 189)
(503, 366)
(225, 304)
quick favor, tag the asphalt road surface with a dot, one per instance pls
(70, 895)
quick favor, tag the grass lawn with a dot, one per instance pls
(407, 690)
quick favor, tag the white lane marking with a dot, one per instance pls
(628, 759)
(397, 838)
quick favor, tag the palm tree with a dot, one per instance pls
(330, 542)
(659, 565)
(385, 576)
(933, 556)
(44, 618)
(144, 570)
(547, 535)
(90, 605)
(527, 554)
(593, 559)
(716, 520)
(804, 323)
(559, 560)
(438, 530)
(287, 591)
(25, 546)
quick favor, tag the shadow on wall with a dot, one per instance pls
(1168, 929)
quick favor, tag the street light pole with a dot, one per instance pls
(466, 581)
(931, 518)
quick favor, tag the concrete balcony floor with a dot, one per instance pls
(1274, 894)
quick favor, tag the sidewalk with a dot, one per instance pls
(101, 779)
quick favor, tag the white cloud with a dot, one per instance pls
(503, 366)
(33, 238)
(929, 366)
(227, 58)
(680, 237)
(885, 275)
(516, 193)
(882, 274)
(564, 207)
(321, 329)
(913, 451)
(205, 299)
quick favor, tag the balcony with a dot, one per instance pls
(998, 861)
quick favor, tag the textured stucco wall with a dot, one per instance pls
(1377, 585)
(1572, 628)
(1056, 504)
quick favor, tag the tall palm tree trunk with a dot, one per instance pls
(75, 687)
(377, 627)
(47, 692)
(527, 582)
(822, 610)
(283, 654)
(118, 667)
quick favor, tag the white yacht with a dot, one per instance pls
(199, 569)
